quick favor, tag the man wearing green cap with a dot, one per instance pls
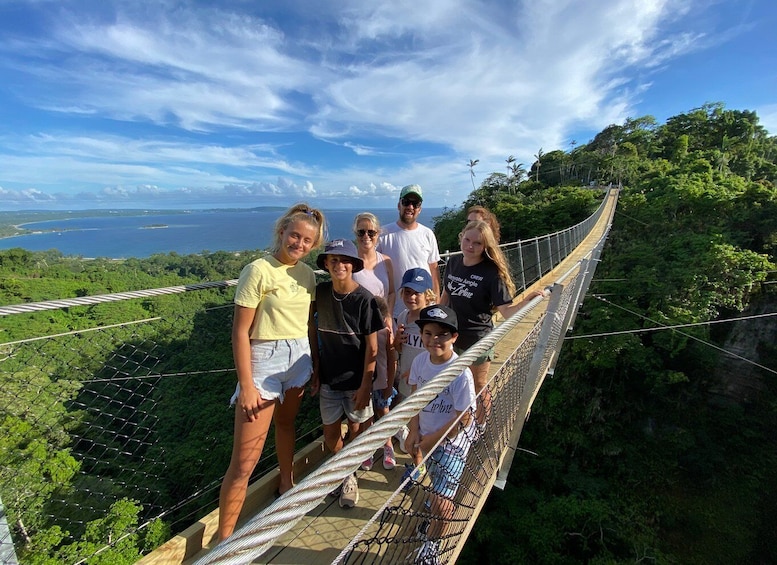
(410, 244)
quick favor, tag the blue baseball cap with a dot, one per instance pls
(417, 279)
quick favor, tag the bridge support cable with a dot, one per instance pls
(115, 297)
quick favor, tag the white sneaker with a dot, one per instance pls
(401, 436)
(389, 459)
(349, 495)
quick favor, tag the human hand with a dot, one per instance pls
(411, 442)
(249, 401)
(362, 397)
(401, 337)
(315, 384)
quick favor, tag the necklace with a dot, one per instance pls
(347, 294)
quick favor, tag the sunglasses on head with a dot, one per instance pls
(410, 202)
(362, 233)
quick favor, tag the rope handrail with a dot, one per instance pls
(115, 297)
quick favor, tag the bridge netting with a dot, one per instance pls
(99, 419)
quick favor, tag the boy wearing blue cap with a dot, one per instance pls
(345, 321)
(416, 294)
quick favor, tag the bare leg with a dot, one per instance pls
(285, 436)
(247, 446)
(480, 376)
(379, 413)
(442, 510)
(333, 436)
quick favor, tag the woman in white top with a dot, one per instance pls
(377, 275)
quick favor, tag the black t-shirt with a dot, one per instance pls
(474, 292)
(343, 324)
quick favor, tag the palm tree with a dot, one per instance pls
(471, 166)
(519, 171)
(510, 160)
(538, 156)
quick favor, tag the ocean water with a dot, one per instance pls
(120, 237)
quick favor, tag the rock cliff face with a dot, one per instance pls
(737, 379)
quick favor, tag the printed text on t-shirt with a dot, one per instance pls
(461, 287)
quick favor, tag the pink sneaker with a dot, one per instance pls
(367, 464)
(389, 460)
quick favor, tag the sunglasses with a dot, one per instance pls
(362, 233)
(409, 202)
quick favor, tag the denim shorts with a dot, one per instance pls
(446, 466)
(379, 402)
(278, 365)
(335, 404)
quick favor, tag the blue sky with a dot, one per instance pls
(176, 104)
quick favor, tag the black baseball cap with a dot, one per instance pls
(439, 314)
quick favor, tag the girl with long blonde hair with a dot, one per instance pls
(476, 284)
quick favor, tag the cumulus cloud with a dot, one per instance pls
(25, 196)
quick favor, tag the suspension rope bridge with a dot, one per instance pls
(395, 515)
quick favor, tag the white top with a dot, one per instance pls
(375, 280)
(457, 396)
(414, 345)
(408, 249)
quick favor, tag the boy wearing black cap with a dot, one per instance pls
(439, 330)
(345, 321)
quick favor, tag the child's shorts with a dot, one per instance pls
(446, 466)
(278, 365)
(335, 404)
(380, 402)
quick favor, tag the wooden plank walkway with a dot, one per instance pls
(323, 533)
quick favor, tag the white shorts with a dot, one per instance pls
(278, 365)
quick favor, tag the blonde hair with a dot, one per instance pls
(370, 217)
(304, 213)
(491, 251)
(488, 217)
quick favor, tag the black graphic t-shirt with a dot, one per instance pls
(474, 294)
